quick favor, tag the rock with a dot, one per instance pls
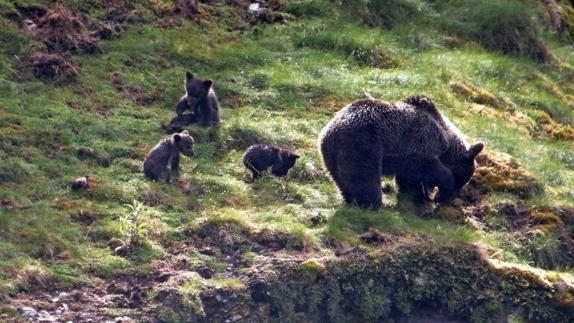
(80, 183)
(317, 219)
(254, 7)
(236, 318)
(170, 299)
(44, 316)
(118, 288)
(136, 297)
(28, 312)
(116, 300)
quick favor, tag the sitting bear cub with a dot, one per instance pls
(410, 140)
(258, 158)
(200, 98)
(166, 152)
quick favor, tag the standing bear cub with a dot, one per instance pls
(200, 98)
(410, 140)
(258, 158)
(166, 152)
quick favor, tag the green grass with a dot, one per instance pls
(281, 85)
(348, 223)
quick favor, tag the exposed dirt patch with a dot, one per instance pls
(9, 204)
(56, 67)
(105, 30)
(62, 30)
(187, 8)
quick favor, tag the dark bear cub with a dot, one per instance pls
(166, 152)
(201, 99)
(259, 158)
(410, 140)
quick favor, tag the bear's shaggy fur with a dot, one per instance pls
(410, 140)
(258, 158)
(201, 99)
(166, 152)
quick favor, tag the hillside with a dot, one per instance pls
(88, 87)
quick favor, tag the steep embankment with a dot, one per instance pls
(86, 87)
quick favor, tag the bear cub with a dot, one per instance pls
(259, 158)
(201, 99)
(166, 152)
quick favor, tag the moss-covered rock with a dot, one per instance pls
(177, 300)
(474, 94)
(457, 280)
(500, 173)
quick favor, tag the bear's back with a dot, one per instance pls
(159, 154)
(401, 129)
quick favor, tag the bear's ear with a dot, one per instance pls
(188, 75)
(176, 137)
(208, 83)
(475, 149)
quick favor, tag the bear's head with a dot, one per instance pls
(463, 168)
(196, 88)
(285, 160)
(184, 143)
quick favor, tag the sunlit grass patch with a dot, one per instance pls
(348, 223)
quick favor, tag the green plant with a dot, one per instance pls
(133, 227)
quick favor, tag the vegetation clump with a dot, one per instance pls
(545, 126)
(177, 300)
(503, 174)
(476, 95)
(188, 8)
(54, 67)
(62, 30)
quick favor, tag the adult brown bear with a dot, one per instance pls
(410, 140)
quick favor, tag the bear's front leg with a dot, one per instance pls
(175, 163)
(182, 106)
(438, 175)
(411, 187)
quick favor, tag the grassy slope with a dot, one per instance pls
(279, 83)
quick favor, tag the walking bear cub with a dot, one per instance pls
(200, 98)
(166, 152)
(410, 140)
(258, 158)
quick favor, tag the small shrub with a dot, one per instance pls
(133, 228)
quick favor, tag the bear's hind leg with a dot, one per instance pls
(362, 187)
